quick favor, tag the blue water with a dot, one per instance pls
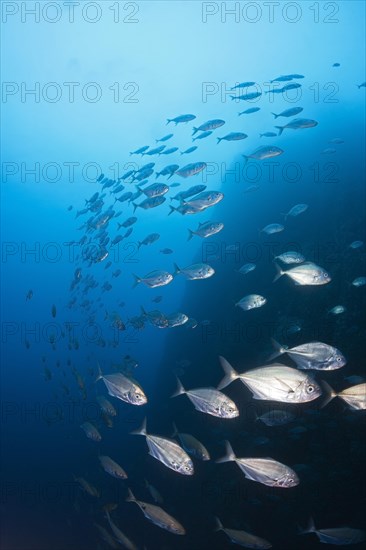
(132, 65)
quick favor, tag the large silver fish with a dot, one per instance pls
(195, 271)
(242, 538)
(154, 279)
(313, 355)
(157, 515)
(167, 451)
(124, 388)
(339, 536)
(307, 273)
(274, 382)
(263, 470)
(355, 396)
(210, 401)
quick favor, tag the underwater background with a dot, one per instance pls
(84, 85)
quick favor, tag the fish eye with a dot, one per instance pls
(339, 358)
(310, 389)
(325, 275)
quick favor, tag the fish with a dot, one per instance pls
(140, 151)
(204, 200)
(121, 537)
(169, 151)
(296, 210)
(297, 124)
(283, 89)
(112, 468)
(247, 97)
(336, 310)
(356, 244)
(195, 271)
(192, 445)
(194, 190)
(157, 515)
(290, 257)
(313, 355)
(363, 85)
(243, 85)
(167, 451)
(181, 118)
(165, 138)
(155, 150)
(359, 281)
(156, 496)
(88, 487)
(233, 136)
(251, 301)
(268, 134)
(242, 538)
(106, 406)
(150, 239)
(246, 268)
(337, 536)
(203, 135)
(91, 431)
(274, 382)
(53, 311)
(208, 126)
(266, 152)
(289, 112)
(189, 150)
(306, 273)
(263, 470)
(276, 417)
(166, 251)
(149, 203)
(155, 190)
(130, 221)
(154, 279)
(106, 536)
(191, 169)
(209, 401)
(168, 171)
(355, 396)
(272, 228)
(206, 229)
(250, 111)
(123, 388)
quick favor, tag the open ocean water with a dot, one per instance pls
(128, 272)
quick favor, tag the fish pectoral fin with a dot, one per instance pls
(289, 389)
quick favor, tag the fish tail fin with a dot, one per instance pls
(143, 312)
(135, 206)
(119, 226)
(240, 114)
(190, 234)
(233, 97)
(130, 497)
(261, 135)
(100, 374)
(195, 130)
(309, 529)
(136, 281)
(230, 373)
(274, 114)
(230, 455)
(219, 526)
(168, 121)
(175, 430)
(141, 430)
(172, 209)
(279, 350)
(330, 394)
(245, 158)
(280, 129)
(180, 389)
(176, 269)
(139, 244)
(218, 140)
(284, 215)
(279, 272)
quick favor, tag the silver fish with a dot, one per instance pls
(192, 445)
(195, 271)
(204, 200)
(91, 431)
(297, 124)
(296, 210)
(355, 396)
(210, 401)
(289, 112)
(263, 470)
(181, 118)
(209, 125)
(191, 169)
(246, 268)
(307, 273)
(272, 228)
(359, 281)
(121, 537)
(290, 257)
(123, 388)
(206, 229)
(112, 468)
(313, 355)
(233, 136)
(242, 538)
(339, 536)
(266, 152)
(154, 279)
(168, 452)
(274, 382)
(252, 301)
(106, 406)
(157, 515)
(88, 487)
